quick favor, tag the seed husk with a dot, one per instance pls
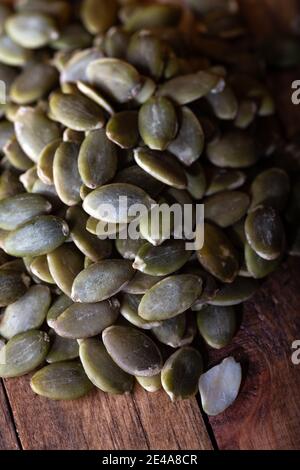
(62, 349)
(102, 371)
(162, 166)
(98, 15)
(141, 283)
(217, 325)
(86, 320)
(264, 232)
(181, 372)
(270, 188)
(158, 123)
(219, 386)
(226, 208)
(31, 30)
(39, 236)
(218, 256)
(170, 297)
(161, 260)
(222, 180)
(16, 210)
(64, 264)
(12, 53)
(172, 331)
(257, 266)
(111, 195)
(97, 162)
(122, 129)
(23, 353)
(239, 291)
(118, 79)
(34, 131)
(150, 384)
(15, 155)
(27, 313)
(58, 307)
(61, 381)
(101, 280)
(76, 112)
(89, 244)
(132, 350)
(13, 284)
(39, 267)
(235, 149)
(129, 310)
(33, 83)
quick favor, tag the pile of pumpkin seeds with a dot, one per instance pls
(155, 103)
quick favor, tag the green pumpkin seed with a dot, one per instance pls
(102, 370)
(122, 129)
(246, 114)
(31, 30)
(76, 112)
(270, 188)
(196, 180)
(97, 160)
(9, 184)
(146, 92)
(141, 283)
(170, 297)
(66, 176)
(13, 284)
(217, 325)
(113, 195)
(39, 267)
(58, 307)
(116, 42)
(12, 53)
(61, 381)
(235, 149)
(136, 176)
(129, 248)
(150, 384)
(158, 123)
(172, 331)
(161, 260)
(118, 79)
(219, 386)
(74, 36)
(129, 310)
(147, 53)
(34, 131)
(240, 290)
(62, 349)
(99, 15)
(162, 166)
(15, 155)
(16, 210)
(222, 180)
(86, 320)
(93, 94)
(27, 313)
(224, 104)
(4, 14)
(186, 362)
(29, 178)
(257, 266)
(132, 350)
(75, 69)
(218, 256)
(188, 88)
(264, 232)
(45, 162)
(33, 83)
(23, 353)
(39, 236)
(149, 16)
(64, 264)
(89, 244)
(101, 280)
(6, 133)
(189, 143)
(8, 75)
(226, 208)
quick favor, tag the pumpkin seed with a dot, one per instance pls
(129, 310)
(66, 176)
(23, 353)
(129, 248)
(9, 184)
(99, 15)
(235, 149)
(264, 232)
(12, 53)
(217, 325)
(33, 83)
(218, 256)
(172, 331)
(101, 280)
(240, 290)
(150, 384)
(132, 350)
(31, 30)
(58, 307)
(122, 129)
(136, 176)
(39, 267)
(222, 180)
(4, 14)
(170, 297)
(224, 104)
(16, 210)
(147, 53)
(270, 188)
(73, 37)
(64, 264)
(86, 320)
(140, 283)
(39, 236)
(104, 229)
(15, 155)
(219, 386)
(6, 133)
(149, 16)
(246, 114)
(62, 349)
(27, 313)
(93, 94)
(186, 362)
(146, 92)
(116, 42)
(61, 381)
(75, 69)
(45, 162)
(226, 208)
(97, 160)
(76, 112)
(257, 266)
(13, 284)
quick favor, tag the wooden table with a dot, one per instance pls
(266, 414)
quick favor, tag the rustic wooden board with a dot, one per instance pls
(8, 438)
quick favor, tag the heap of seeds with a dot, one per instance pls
(151, 102)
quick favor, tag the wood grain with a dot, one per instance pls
(8, 438)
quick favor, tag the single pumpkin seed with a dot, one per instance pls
(58, 307)
(153, 15)
(61, 381)
(23, 353)
(66, 176)
(101, 280)
(181, 372)
(74, 36)
(146, 92)
(75, 69)
(16, 210)
(9, 184)
(95, 95)
(102, 371)
(33, 83)
(217, 325)
(240, 290)
(31, 30)
(16, 156)
(39, 236)
(141, 283)
(147, 53)
(222, 179)
(226, 208)
(99, 15)
(170, 297)
(246, 114)
(235, 149)
(6, 133)
(12, 53)
(122, 129)
(270, 188)
(27, 313)
(219, 386)
(13, 284)
(39, 267)
(45, 162)
(128, 248)
(64, 264)
(132, 350)
(62, 349)
(224, 104)
(150, 384)
(257, 266)
(129, 310)
(172, 331)
(116, 42)
(136, 176)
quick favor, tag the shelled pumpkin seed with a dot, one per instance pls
(118, 100)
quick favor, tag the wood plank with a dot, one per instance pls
(8, 438)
